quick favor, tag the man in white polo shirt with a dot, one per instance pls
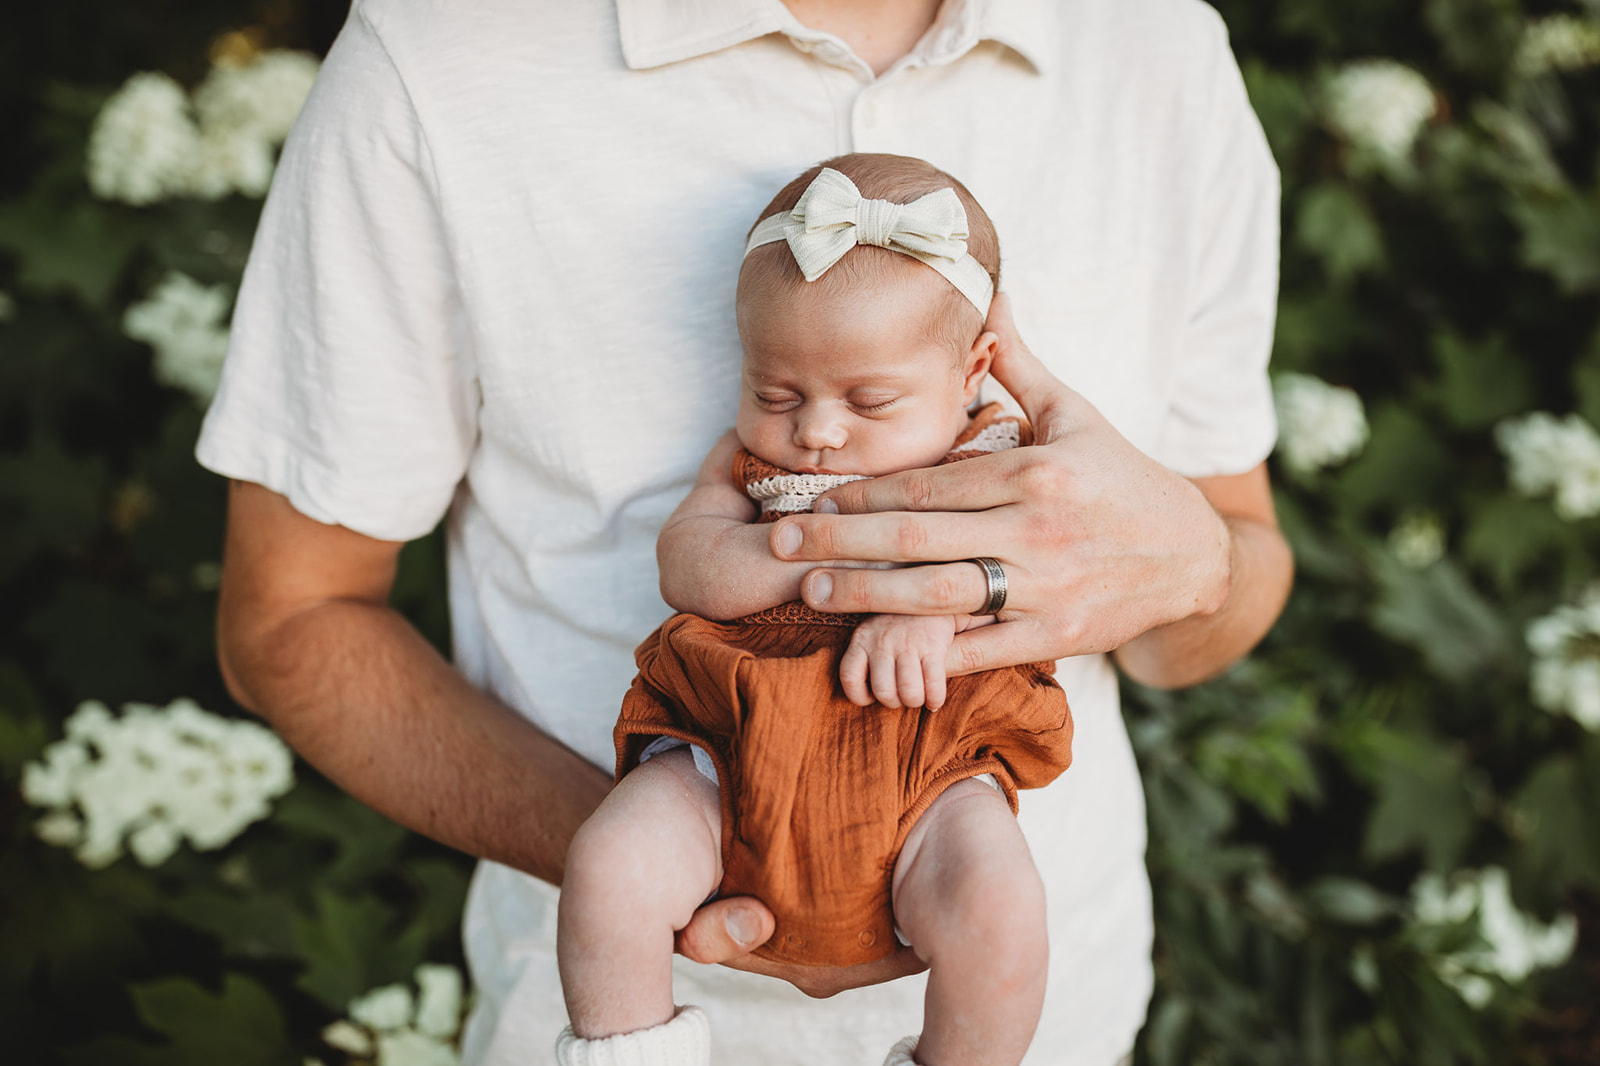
(494, 284)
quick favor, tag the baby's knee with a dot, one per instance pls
(996, 924)
(638, 870)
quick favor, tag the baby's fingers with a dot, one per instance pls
(908, 678)
(933, 681)
(853, 669)
(885, 686)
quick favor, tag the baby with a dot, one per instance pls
(823, 763)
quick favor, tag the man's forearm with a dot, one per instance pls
(353, 688)
(1200, 647)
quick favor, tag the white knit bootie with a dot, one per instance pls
(900, 1054)
(684, 1041)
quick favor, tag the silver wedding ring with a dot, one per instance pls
(995, 575)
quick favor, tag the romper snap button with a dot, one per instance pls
(793, 940)
(867, 938)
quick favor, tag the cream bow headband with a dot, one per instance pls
(833, 217)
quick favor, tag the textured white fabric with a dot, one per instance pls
(900, 1054)
(833, 217)
(795, 492)
(683, 1041)
(475, 290)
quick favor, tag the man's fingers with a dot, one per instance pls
(1051, 406)
(820, 982)
(976, 484)
(897, 537)
(948, 588)
(994, 646)
(725, 929)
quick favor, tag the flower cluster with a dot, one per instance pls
(1417, 540)
(183, 321)
(1557, 455)
(1379, 105)
(154, 777)
(1511, 944)
(1558, 43)
(150, 142)
(1566, 660)
(1318, 424)
(392, 1027)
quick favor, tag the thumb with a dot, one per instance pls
(725, 929)
(1050, 405)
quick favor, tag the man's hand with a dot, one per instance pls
(726, 930)
(1100, 543)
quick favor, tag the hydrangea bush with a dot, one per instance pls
(1373, 842)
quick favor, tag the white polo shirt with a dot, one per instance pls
(494, 282)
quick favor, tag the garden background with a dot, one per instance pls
(1376, 841)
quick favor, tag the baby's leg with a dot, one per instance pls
(636, 872)
(968, 897)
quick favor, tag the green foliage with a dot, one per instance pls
(1386, 728)
(110, 536)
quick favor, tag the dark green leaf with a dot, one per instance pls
(1336, 226)
(1438, 613)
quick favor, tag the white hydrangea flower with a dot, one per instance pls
(383, 1009)
(1556, 455)
(260, 98)
(1566, 664)
(1558, 43)
(183, 321)
(142, 144)
(153, 778)
(1418, 540)
(405, 1030)
(1380, 105)
(229, 159)
(407, 1047)
(439, 1000)
(1513, 944)
(1319, 424)
(348, 1037)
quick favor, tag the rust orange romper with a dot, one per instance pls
(818, 794)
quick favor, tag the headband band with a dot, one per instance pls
(833, 217)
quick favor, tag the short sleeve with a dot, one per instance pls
(1220, 419)
(346, 386)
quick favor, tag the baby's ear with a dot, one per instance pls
(977, 363)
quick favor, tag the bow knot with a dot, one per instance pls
(833, 217)
(876, 221)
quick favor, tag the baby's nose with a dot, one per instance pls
(817, 427)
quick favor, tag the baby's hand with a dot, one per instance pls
(898, 660)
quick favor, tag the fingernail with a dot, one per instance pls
(826, 506)
(821, 588)
(743, 928)
(789, 539)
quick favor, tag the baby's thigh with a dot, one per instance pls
(965, 872)
(656, 836)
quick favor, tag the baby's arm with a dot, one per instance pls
(898, 660)
(714, 559)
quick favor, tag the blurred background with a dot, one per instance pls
(1377, 841)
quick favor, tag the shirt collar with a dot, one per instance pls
(657, 32)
